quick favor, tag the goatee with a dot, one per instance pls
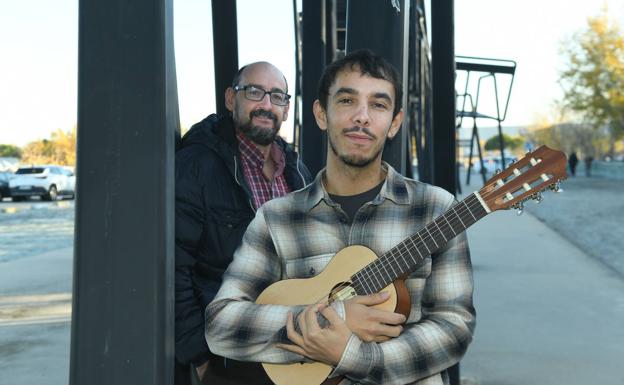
(352, 160)
(257, 134)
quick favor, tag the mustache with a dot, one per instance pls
(361, 130)
(264, 114)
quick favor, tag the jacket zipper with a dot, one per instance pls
(299, 172)
(240, 184)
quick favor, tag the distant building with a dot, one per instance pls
(8, 164)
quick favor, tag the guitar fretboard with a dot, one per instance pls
(408, 255)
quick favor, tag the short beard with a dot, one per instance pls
(260, 135)
(352, 160)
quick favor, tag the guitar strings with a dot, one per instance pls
(369, 271)
(460, 209)
(462, 216)
(372, 271)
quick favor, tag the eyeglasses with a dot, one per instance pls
(256, 94)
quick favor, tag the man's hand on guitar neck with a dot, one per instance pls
(371, 324)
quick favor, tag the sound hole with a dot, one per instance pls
(342, 292)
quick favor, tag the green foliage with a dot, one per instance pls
(593, 78)
(10, 151)
(511, 143)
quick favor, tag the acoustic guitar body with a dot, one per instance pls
(315, 290)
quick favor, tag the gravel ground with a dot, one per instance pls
(31, 228)
(589, 213)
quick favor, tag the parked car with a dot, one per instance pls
(5, 191)
(48, 182)
(492, 163)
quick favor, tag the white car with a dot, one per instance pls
(48, 182)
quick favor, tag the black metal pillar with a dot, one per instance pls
(225, 43)
(443, 74)
(387, 36)
(122, 319)
(312, 140)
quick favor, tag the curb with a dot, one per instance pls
(35, 206)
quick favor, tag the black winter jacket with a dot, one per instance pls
(213, 208)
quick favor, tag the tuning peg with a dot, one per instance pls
(498, 171)
(520, 207)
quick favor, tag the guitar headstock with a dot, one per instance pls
(527, 178)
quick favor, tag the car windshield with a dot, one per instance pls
(30, 170)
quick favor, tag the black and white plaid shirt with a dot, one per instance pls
(295, 237)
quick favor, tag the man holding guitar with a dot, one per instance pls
(334, 321)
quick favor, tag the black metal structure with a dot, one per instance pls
(225, 43)
(443, 71)
(418, 117)
(387, 36)
(312, 141)
(489, 68)
(122, 318)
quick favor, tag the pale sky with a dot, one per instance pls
(38, 69)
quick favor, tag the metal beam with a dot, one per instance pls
(443, 75)
(225, 43)
(388, 36)
(312, 141)
(122, 318)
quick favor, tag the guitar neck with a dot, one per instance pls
(408, 255)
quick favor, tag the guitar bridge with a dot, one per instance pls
(342, 292)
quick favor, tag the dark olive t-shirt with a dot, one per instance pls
(351, 203)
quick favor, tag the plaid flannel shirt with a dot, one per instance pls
(253, 162)
(296, 236)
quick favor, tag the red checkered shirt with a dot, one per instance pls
(253, 162)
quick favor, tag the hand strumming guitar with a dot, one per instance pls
(326, 344)
(371, 324)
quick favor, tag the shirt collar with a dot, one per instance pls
(394, 189)
(251, 153)
(248, 150)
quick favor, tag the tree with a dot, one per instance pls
(511, 143)
(59, 149)
(10, 151)
(593, 78)
(569, 137)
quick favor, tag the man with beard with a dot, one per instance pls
(356, 200)
(226, 168)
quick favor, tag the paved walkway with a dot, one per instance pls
(547, 313)
(35, 312)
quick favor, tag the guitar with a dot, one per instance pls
(357, 270)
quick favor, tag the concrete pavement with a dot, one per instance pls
(547, 313)
(35, 313)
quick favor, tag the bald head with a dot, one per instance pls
(260, 68)
(257, 101)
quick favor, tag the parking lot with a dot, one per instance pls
(36, 253)
(33, 227)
